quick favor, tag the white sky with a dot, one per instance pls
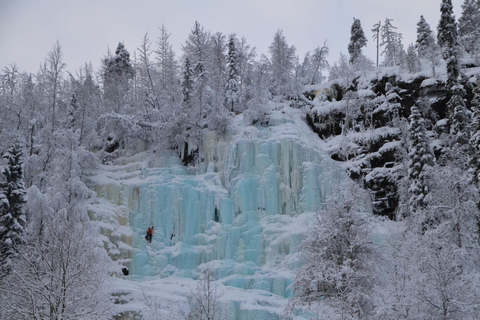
(86, 28)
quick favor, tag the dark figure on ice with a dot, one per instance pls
(148, 237)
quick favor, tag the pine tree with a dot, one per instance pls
(12, 215)
(420, 158)
(392, 41)
(475, 138)
(425, 39)
(232, 87)
(118, 70)
(458, 114)
(468, 25)
(187, 84)
(72, 111)
(198, 49)
(447, 40)
(357, 41)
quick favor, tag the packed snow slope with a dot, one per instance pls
(243, 208)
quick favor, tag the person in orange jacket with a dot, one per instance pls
(148, 237)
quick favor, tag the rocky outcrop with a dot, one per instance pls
(368, 130)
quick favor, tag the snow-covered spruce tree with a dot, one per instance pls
(282, 62)
(357, 41)
(187, 84)
(392, 43)
(468, 25)
(475, 136)
(420, 159)
(425, 38)
(118, 70)
(233, 78)
(447, 40)
(185, 133)
(72, 111)
(336, 276)
(458, 115)
(426, 47)
(12, 214)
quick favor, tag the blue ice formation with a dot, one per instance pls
(245, 207)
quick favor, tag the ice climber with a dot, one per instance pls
(148, 237)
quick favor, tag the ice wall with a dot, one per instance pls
(244, 207)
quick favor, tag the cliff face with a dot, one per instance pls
(365, 125)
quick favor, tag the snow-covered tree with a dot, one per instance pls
(186, 129)
(218, 119)
(146, 74)
(425, 38)
(447, 40)
(336, 253)
(89, 105)
(72, 111)
(341, 69)
(475, 137)
(233, 77)
(376, 37)
(396, 292)
(425, 44)
(197, 49)
(118, 70)
(412, 59)
(468, 25)
(168, 69)
(246, 57)
(392, 43)
(12, 214)
(282, 62)
(458, 114)
(205, 303)
(60, 275)
(448, 247)
(187, 83)
(310, 70)
(357, 41)
(420, 159)
(258, 95)
(54, 68)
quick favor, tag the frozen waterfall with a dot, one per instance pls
(244, 208)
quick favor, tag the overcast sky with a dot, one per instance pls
(86, 28)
